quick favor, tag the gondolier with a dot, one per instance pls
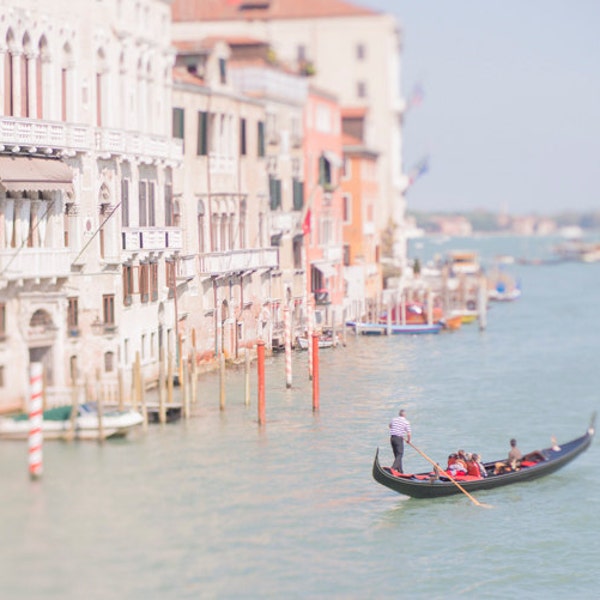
(399, 431)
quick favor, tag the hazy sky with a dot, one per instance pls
(511, 111)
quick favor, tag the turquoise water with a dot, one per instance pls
(220, 508)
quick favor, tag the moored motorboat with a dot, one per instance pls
(57, 424)
(395, 329)
(429, 485)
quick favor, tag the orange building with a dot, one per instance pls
(360, 193)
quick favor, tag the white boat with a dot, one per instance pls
(56, 424)
(325, 341)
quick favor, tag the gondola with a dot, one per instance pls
(428, 485)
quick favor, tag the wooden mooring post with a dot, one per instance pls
(260, 351)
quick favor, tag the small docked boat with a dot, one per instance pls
(503, 295)
(56, 424)
(325, 341)
(541, 463)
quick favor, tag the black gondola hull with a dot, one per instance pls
(436, 488)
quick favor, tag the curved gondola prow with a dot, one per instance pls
(592, 427)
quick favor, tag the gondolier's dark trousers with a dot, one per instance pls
(398, 448)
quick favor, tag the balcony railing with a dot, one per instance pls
(135, 239)
(235, 261)
(57, 136)
(34, 263)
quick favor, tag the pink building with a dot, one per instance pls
(323, 205)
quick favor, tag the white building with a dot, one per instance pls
(351, 50)
(228, 264)
(88, 234)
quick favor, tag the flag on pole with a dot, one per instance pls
(419, 169)
(306, 223)
(417, 95)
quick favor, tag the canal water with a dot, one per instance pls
(219, 507)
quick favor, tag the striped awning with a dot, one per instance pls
(27, 173)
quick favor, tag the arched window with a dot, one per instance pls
(42, 57)
(109, 362)
(100, 86)
(9, 76)
(65, 83)
(25, 91)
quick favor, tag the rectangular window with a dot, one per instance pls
(361, 52)
(154, 281)
(361, 89)
(170, 276)
(151, 205)
(324, 172)
(178, 123)
(274, 192)
(346, 255)
(124, 203)
(142, 204)
(2, 321)
(223, 70)
(144, 283)
(73, 316)
(298, 193)
(127, 284)
(201, 226)
(108, 309)
(169, 215)
(297, 249)
(1, 376)
(261, 139)
(202, 148)
(347, 208)
(242, 137)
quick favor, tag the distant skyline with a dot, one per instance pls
(510, 110)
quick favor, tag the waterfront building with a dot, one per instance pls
(323, 211)
(360, 192)
(283, 93)
(88, 231)
(348, 49)
(228, 268)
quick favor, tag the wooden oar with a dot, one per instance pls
(446, 474)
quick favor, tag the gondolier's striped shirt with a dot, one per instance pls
(400, 426)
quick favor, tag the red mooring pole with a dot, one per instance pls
(260, 352)
(315, 371)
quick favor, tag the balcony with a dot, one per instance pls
(237, 261)
(35, 263)
(54, 137)
(135, 239)
(119, 141)
(49, 136)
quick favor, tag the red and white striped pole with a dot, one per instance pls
(36, 437)
(309, 331)
(287, 319)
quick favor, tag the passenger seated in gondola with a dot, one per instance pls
(456, 466)
(472, 466)
(480, 465)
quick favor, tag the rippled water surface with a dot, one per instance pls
(220, 508)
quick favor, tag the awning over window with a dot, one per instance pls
(24, 173)
(326, 268)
